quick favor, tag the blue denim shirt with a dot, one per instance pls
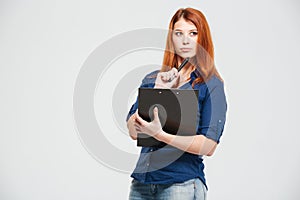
(168, 165)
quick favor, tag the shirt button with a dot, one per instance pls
(219, 120)
(147, 164)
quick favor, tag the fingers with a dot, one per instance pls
(175, 80)
(175, 71)
(169, 75)
(164, 76)
(139, 121)
(155, 113)
(173, 74)
(137, 128)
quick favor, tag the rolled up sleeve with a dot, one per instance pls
(213, 112)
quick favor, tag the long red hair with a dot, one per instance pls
(204, 58)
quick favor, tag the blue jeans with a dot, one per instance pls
(192, 189)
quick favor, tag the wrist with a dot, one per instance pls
(160, 135)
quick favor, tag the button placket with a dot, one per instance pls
(148, 161)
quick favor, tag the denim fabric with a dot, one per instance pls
(157, 165)
(192, 189)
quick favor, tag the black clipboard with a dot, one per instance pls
(177, 108)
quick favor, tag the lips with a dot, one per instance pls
(185, 49)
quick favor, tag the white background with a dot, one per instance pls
(43, 45)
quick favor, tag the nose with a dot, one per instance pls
(185, 40)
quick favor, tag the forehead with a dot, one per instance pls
(184, 24)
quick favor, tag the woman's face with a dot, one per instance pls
(184, 38)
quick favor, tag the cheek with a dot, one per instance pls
(176, 43)
(195, 44)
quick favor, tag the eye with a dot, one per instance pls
(177, 33)
(194, 33)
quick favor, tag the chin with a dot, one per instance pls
(187, 55)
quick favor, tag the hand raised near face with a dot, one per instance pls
(169, 79)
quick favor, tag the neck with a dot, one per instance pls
(186, 70)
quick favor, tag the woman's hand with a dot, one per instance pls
(130, 126)
(150, 128)
(169, 79)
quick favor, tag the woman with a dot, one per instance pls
(181, 178)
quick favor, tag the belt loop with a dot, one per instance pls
(153, 188)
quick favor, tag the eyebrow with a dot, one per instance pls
(177, 29)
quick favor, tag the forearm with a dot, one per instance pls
(197, 144)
